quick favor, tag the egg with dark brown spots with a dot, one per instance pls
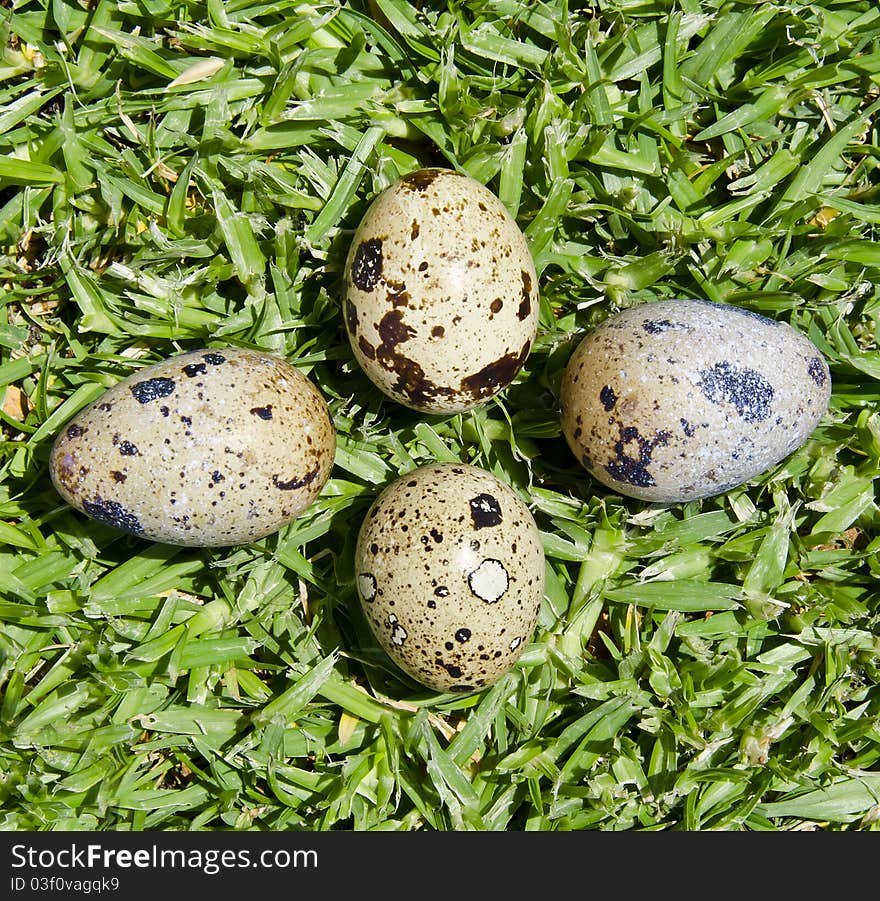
(450, 574)
(441, 293)
(683, 399)
(210, 448)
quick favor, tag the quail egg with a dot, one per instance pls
(450, 574)
(209, 448)
(682, 399)
(441, 294)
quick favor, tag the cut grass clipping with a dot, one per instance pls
(176, 175)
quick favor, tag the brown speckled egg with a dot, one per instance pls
(683, 399)
(441, 294)
(208, 448)
(450, 573)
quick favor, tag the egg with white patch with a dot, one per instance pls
(450, 575)
(440, 293)
(209, 448)
(677, 400)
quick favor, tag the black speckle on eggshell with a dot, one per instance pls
(151, 389)
(493, 375)
(608, 397)
(818, 371)
(633, 454)
(112, 513)
(295, 483)
(485, 511)
(746, 389)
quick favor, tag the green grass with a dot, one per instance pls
(182, 174)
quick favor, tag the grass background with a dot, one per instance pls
(184, 174)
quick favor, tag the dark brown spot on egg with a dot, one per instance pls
(411, 380)
(496, 305)
(414, 230)
(525, 304)
(264, 413)
(496, 374)
(74, 431)
(213, 358)
(399, 298)
(366, 268)
(421, 179)
(393, 331)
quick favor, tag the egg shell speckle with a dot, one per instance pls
(450, 574)
(209, 448)
(682, 399)
(441, 294)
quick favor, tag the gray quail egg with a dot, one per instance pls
(209, 448)
(683, 399)
(441, 294)
(450, 574)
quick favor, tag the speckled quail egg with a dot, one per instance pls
(441, 294)
(682, 399)
(450, 574)
(208, 448)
